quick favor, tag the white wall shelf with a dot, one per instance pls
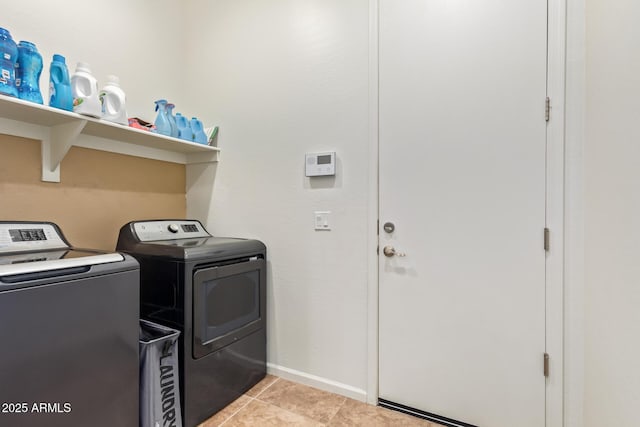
(59, 130)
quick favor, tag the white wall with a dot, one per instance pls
(281, 79)
(612, 217)
(141, 42)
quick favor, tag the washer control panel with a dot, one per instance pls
(29, 236)
(149, 231)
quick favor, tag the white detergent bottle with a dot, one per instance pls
(84, 89)
(113, 102)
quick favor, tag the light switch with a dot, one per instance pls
(321, 220)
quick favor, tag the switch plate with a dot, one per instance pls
(321, 220)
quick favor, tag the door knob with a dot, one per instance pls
(390, 251)
(389, 227)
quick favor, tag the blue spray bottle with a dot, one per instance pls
(163, 127)
(172, 120)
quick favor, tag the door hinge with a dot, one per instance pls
(547, 109)
(546, 240)
(546, 365)
(378, 227)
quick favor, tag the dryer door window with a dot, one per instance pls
(228, 304)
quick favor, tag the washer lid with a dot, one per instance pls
(35, 262)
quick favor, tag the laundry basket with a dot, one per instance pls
(159, 381)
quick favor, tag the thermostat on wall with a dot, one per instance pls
(320, 164)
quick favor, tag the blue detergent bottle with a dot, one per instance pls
(184, 130)
(163, 127)
(60, 95)
(8, 58)
(198, 132)
(28, 70)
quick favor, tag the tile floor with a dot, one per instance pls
(277, 402)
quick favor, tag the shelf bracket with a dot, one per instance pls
(209, 157)
(56, 146)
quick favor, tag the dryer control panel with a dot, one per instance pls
(149, 231)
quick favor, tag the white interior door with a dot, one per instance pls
(462, 178)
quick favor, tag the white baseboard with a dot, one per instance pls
(317, 382)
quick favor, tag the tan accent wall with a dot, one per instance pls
(98, 193)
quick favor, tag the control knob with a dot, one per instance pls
(173, 228)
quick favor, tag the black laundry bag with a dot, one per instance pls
(159, 381)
